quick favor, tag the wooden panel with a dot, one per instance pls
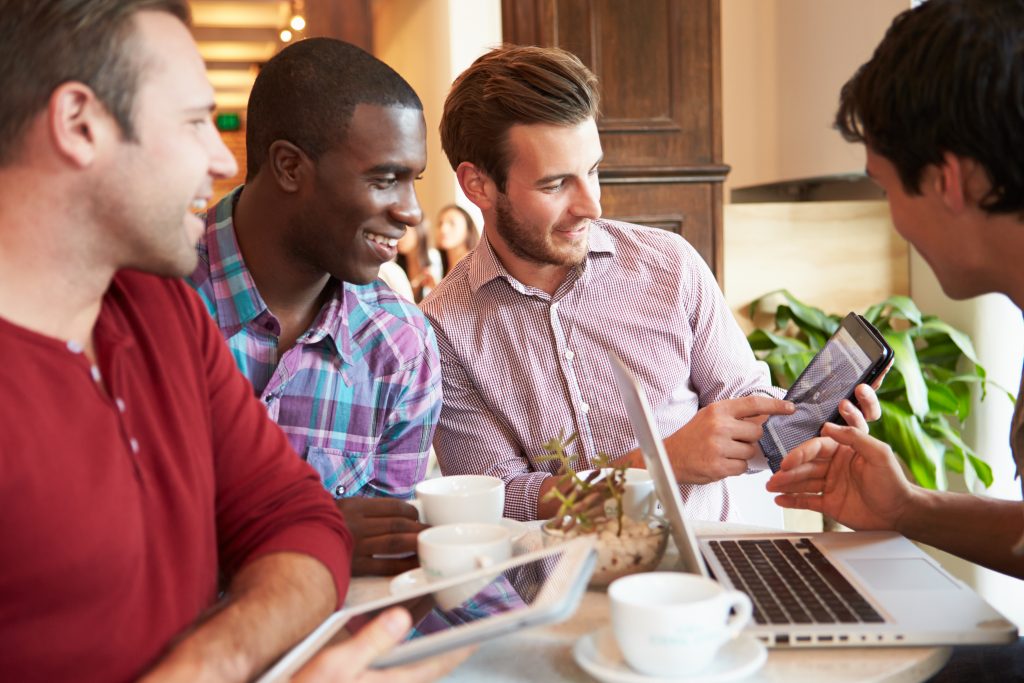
(683, 208)
(658, 65)
(348, 20)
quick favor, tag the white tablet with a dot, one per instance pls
(535, 588)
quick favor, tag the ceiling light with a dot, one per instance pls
(286, 35)
(298, 22)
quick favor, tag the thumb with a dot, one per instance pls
(376, 638)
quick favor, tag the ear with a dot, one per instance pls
(949, 182)
(289, 165)
(477, 185)
(78, 123)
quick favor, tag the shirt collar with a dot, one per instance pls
(238, 300)
(485, 265)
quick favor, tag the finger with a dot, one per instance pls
(801, 502)
(809, 450)
(867, 402)
(385, 526)
(378, 507)
(852, 416)
(750, 406)
(806, 484)
(355, 654)
(391, 544)
(375, 566)
(871, 449)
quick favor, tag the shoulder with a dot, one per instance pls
(379, 314)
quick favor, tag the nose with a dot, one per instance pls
(222, 161)
(407, 209)
(588, 200)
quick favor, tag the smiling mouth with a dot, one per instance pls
(386, 248)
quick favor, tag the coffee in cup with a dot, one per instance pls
(461, 498)
(673, 624)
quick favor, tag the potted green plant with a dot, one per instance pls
(592, 504)
(925, 397)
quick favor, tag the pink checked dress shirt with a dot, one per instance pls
(519, 366)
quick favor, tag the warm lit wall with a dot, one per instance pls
(783, 63)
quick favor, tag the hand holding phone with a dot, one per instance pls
(855, 354)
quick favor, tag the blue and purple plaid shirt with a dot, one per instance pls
(360, 392)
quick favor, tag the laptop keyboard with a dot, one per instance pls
(791, 582)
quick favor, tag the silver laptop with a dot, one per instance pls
(821, 589)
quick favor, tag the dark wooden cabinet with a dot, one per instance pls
(659, 65)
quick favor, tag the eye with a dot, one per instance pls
(553, 189)
(384, 182)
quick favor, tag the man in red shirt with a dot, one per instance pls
(155, 521)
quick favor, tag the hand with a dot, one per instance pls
(349, 661)
(721, 438)
(381, 526)
(847, 475)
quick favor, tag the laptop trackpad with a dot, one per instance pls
(901, 574)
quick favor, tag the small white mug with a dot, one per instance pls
(673, 624)
(453, 549)
(638, 498)
(461, 498)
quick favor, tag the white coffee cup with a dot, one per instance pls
(453, 549)
(638, 498)
(461, 498)
(673, 624)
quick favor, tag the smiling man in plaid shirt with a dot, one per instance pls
(288, 269)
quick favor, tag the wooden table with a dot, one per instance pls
(545, 653)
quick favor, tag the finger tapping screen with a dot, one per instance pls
(827, 380)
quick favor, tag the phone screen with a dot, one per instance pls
(829, 378)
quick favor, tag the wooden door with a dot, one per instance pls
(658, 62)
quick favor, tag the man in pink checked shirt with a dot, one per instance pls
(524, 323)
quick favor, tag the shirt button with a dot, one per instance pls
(95, 372)
(134, 445)
(569, 355)
(120, 405)
(339, 491)
(585, 408)
(74, 347)
(268, 398)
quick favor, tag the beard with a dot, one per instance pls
(533, 243)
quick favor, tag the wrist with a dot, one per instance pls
(914, 510)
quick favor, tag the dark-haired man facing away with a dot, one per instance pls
(940, 110)
(288, 268)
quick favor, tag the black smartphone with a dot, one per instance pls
(855, 354)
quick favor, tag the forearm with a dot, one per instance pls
(271, 604)
(978, 529)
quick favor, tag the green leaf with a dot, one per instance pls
(871, 315)
(786, 344)
(916, 448)
(905, 360)
(982, 469)
(906, 308)
(961, 340)
(811, 316)
(942, 398)
(941, 428)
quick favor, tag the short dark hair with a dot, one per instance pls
(307, 92)
(44, 43)
(947, 77)
(513, 85)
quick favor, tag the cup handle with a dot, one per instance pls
(743, 612)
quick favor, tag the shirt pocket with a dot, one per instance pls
(343, 473)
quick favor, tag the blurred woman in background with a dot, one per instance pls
(455, 235)
(419, 260)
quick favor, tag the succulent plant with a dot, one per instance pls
(584, 502)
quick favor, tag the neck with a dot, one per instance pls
(289, 289)
(55, 271)
(542, 276)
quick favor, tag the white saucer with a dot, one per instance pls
(598, 654)
(407, 581)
